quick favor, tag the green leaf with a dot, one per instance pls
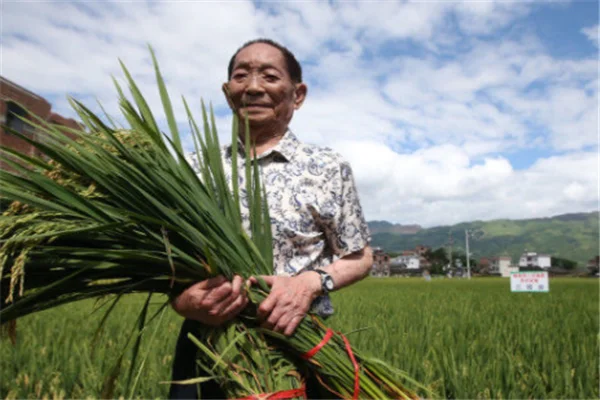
(164, 97)
(140, 101)
(138, 340)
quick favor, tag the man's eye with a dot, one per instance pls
(271, 78)
(239, 75)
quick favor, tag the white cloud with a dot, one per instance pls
(425, 99)
(591, 33)
(442, 185)
(80, 51)
(485, 17)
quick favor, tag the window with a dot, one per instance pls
(13, 112)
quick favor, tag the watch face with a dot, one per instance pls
(329, 283)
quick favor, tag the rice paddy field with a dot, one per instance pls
(463, 339)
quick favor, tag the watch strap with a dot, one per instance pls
(325, 277)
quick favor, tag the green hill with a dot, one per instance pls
(384, 226)
(572, 236)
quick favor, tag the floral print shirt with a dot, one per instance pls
(316, 217)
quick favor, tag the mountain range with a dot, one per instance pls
(572, 236)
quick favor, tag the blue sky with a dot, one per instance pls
(447, 111)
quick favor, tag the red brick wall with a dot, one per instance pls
(68, 122)
(35, 104)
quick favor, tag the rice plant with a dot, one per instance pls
(115, 212)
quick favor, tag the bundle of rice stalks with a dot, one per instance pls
(118, 212)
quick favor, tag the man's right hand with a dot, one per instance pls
(213, 301)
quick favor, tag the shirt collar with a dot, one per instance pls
(286, 147)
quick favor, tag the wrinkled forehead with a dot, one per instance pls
(260, 55)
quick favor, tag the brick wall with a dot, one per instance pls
(12, 96)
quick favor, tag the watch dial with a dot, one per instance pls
(329, 284)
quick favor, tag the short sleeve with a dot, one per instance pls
(348, 231)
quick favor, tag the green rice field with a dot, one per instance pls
(463, 339)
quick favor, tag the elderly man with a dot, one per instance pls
(320, 237)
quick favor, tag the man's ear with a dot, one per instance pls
(225, 90)
(299, 95)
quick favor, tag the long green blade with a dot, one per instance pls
(166, 101)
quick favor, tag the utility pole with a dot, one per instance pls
(450, 241)
(467, 233)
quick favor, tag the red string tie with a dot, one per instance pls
(311, 353)
(356, 367)
(281, 395)
(328, 335)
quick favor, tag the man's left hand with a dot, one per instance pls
(289, 301)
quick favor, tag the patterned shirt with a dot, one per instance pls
(316, 217)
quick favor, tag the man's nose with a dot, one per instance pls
(254, 85)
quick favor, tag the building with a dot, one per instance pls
(500, 265)
(422, 250)
(15, 101)
(593, 265)
(503, 265)
(485, 265)
(424, 263)
(535, 260)
(410, 262)
(409, 259)
(381, 263)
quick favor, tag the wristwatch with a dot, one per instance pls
(326, 281)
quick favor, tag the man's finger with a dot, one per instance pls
(235, 308)
(282, 324)
(211, 282)
(266, 306)
(269, 280)
(293, 324)
(209, 298)
(236, 286)
(275, 318)
(220, 306)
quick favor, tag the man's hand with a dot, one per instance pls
(289, 301)
(213, 301)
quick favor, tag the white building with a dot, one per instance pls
(535, 260)
(502, 265)
(411, 261)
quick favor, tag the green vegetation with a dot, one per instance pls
(107, 212)
(563, 263)
(466, 339)
(569, 236)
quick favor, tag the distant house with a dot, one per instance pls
(424, 263)
(421, 250)
(381, 263)
(414, 259)
(408, 263)
(15, 102)
(593, 265)
(409, 259)
(503, 265)
(484, 264)
(397, 268)
(535, 260)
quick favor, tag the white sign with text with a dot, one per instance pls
(529, 281)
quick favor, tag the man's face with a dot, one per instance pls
(260, 86)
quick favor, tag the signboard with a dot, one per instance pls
(529, 281)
